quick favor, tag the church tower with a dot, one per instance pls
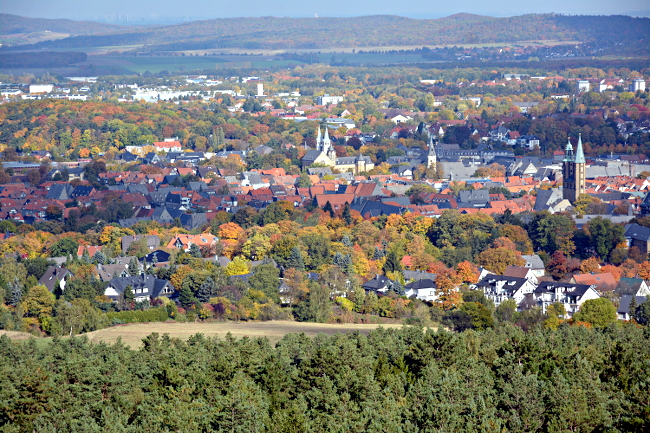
(327, 147)
(432, 158)
(573, 172)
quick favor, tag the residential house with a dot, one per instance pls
(521, 272)
(153, 241)
(571, 295)
(108, 272)
(144, 286)
(91, 249)
(378, 285)
(638, 236)
(168, 146)
(623, 311)
(632, 286)
(534, 262)
(156, 257)
(184, 242)
(55, 275)
(424, 289)
(604, 282)
(499, 288)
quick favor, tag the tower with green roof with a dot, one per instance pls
(574, 172)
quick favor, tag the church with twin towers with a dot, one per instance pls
(574, 172)
(324, 154)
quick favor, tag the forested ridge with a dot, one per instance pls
(571, 379)
(378, 30)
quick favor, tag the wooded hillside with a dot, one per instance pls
(385, 30)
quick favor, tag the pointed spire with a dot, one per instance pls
(318, 139)
(327, 135)
(568, 151)
(580, 155)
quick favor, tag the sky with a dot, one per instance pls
(174, 10)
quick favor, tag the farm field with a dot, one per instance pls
(132, 334)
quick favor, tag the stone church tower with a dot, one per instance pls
(574, 172)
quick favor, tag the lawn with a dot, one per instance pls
(132, 334)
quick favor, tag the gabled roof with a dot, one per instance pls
(624, 303)
(637, 232)
(53, 275)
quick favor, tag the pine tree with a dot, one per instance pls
(15, 292)
(633, 308)
(295, 260)
(328, 208)
(396, 287)
(85, 257)
(100, 258)
(347, 214)
(206, 291)
(134, 268)
(346, 241)
(195, 251)
(392, 263)
(129, 296)
(186, 297)
(347, 264)
(338, 260)
(378, 254)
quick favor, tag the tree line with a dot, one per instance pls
(408, 380)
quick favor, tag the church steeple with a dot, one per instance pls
(574, 172)
(326, 140)
(318, 139)
(580, 155)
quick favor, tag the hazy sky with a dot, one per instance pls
(112, 10)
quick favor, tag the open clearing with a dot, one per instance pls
(132, 334)
(15, 335)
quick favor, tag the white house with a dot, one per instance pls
(424, 289)
(499, 288)
(572, 296)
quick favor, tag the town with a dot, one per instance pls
(394, 206)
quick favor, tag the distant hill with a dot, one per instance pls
(368, 31)
(12, 24)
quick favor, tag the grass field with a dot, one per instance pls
(132, 334)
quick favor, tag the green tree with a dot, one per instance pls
(295, 260)
(480, 314)
(392, 263)
(134, 268)
(64, 247)
(266, 279)
(506, 311)
(599, 312)
(604, 236)
(316, 307)
(186, 298)
(303, 181)
(195, 251)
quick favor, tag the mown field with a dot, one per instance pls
(132, 334)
